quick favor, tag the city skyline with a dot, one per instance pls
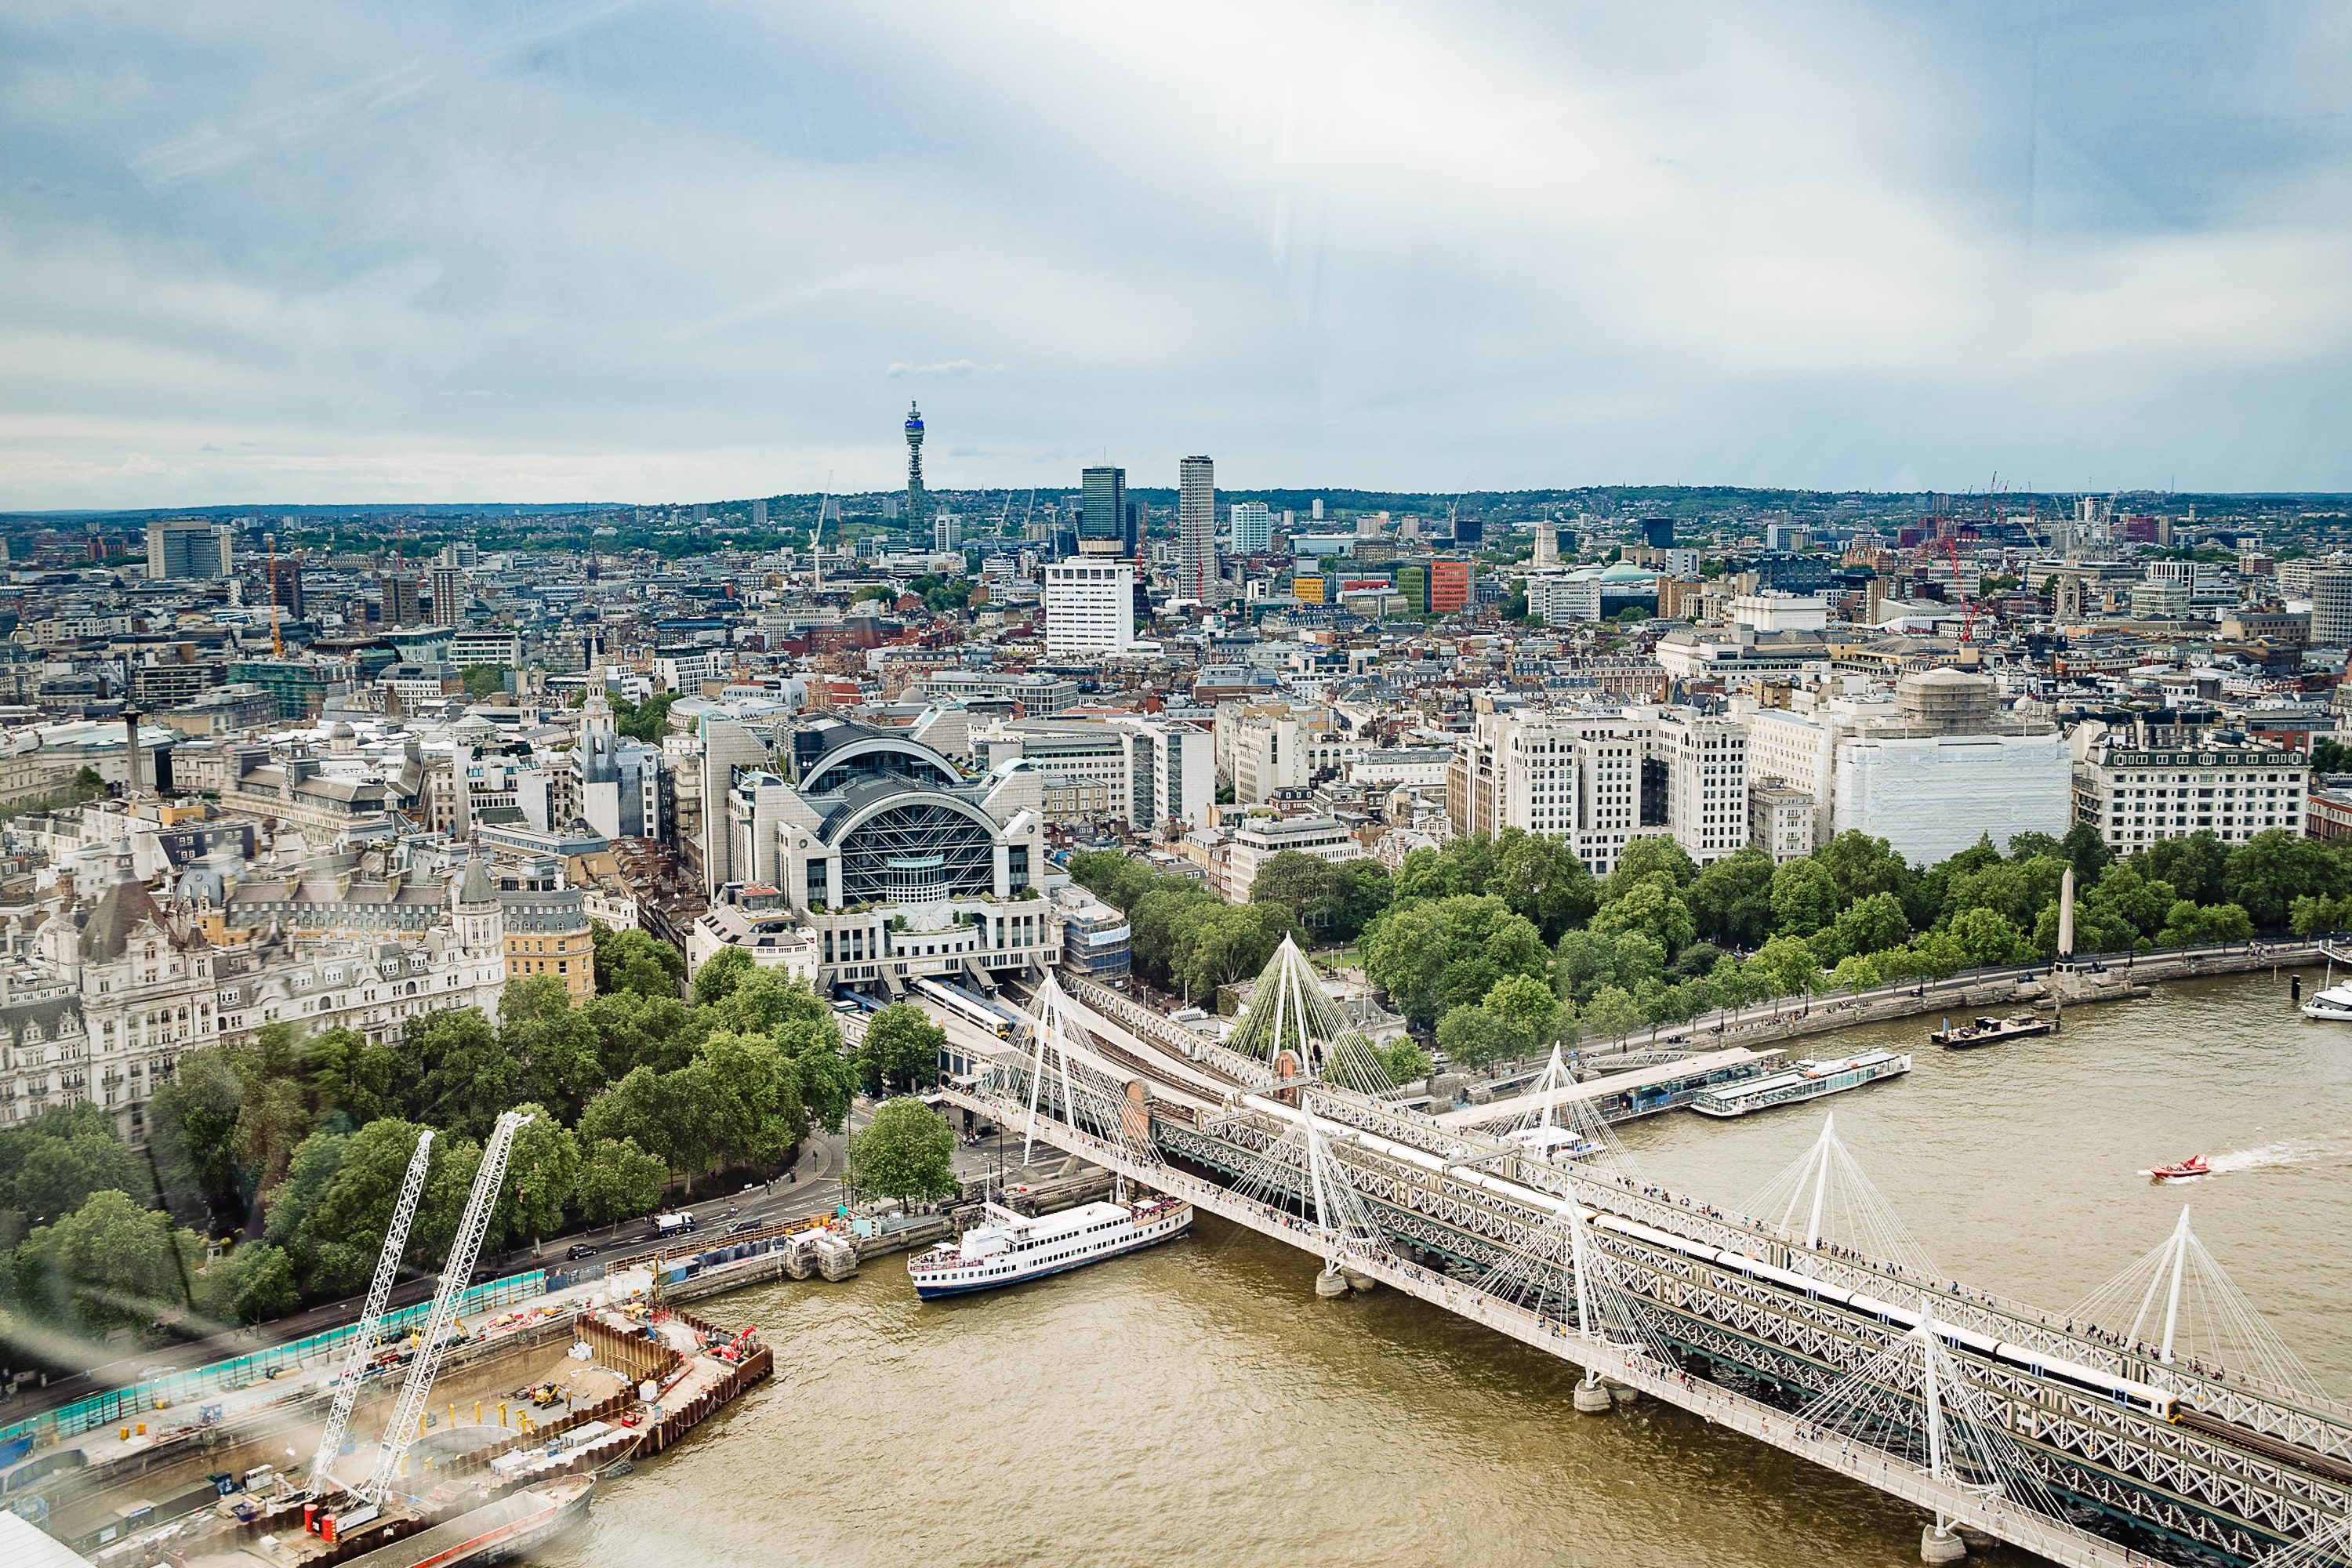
(422, 257)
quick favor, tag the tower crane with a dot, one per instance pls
(1967, 607)
(401, 1429)
(378, 1296)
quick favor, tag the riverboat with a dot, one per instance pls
(1989, 1031)
(2334, 1003)
(2183, 1170)
(1804, 1081)
(1007, 1248)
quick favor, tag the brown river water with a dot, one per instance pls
(1197, 1404)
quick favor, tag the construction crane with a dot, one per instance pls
(406, 1415)
(378, 1296)
(1967, 607)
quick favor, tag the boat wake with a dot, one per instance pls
(2241, 1160)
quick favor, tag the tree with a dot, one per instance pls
(316, 1162)
(246, 1284)
(901, 1049)
(1872, 925)
(1804, 897)
(2268, 872)
(1652, 907)
(1731, 900)
(1789, 965)
(619, 1181)
(1542, 879)
(461, 1077)
(108, 1265)
(191, 1125)
(1403, 1060)
(907, 1151)
(1984, 937)
(542, 1173)
(1359, 892)
(1862, 866)
(634, 960)
(483, 679)
(1643, 860)
(1296, 882)
(2195, 866)
(555, 1045)
(2015, 890)
(51, 1166)
(1218, 943)
(2086, 850)
(2132, 899)
(719, 974)
(1612, 1012)
(2188, 925)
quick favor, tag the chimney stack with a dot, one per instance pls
(130, 717)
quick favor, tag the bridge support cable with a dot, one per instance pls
(1567, 1128)
(1824, 1203)
(464, 1248)
(1296, 1170)
(1294, 1025)
(371, 1323)
(2329, 1546)
(1060, 1062)
(2178, 1306)
(1915, 1403)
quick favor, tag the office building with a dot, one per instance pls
(1144, 771)
(760, 513)
(1107, 521)
(1449, 587)
(1253, 528)
(1277, 746)
(1196, 527)
(919, 500)
(1090, 603)
(1781, 821)
(189, 548)
(403, 606)
(1658, 532)
(2331, 607)
(947, 532)
(448, 595)
(2136, 791)
(286, 584)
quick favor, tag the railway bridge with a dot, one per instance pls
(1992, 1414)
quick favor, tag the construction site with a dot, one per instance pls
(465, 1433)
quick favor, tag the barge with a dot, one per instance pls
(1804, 1081)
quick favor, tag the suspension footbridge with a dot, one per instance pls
(2161, 1421)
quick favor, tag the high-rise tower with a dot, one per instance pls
(1196, 527)
(1103, 520)
(919, 500)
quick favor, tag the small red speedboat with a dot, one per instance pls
(2194, 1165)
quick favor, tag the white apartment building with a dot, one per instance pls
(1089, 606)
(1144, 771)
(1599, 777)
(1781, 821)
(1270, 746)
(2136, 795)
(1253, 528)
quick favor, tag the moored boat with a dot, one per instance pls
(498, 1532)
(2334, 1003)
(1803, 1080)
(1006, 1247)
(1989, 1031)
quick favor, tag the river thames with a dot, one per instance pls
(1197, 1404)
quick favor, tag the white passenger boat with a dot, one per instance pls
(1007, 1248)
(1803, 1080)
(2335, 1002)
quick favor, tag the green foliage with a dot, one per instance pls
(1731, 900)
(484, 679)
(620, 1180)
(1331, 900)
(248, 1284)
(1403, 1060)
(50, 1166)
(1652, 907)
(108, 1265)
(1804, 897)
(2190, 924)
(908, 1152)
(2267, 873)
(542, 1173)
(646, 721)
(634, 960)
(2196, 866)
(1436, 954)
(900, 1050)
(1541, 879)
(719, 974)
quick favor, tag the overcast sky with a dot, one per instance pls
(280, 252)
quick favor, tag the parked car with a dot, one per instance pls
(748, 1225)
(579, 1249)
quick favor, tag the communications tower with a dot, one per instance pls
(919, 500)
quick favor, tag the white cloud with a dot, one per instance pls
(602, 248)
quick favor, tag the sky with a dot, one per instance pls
(254, 251)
